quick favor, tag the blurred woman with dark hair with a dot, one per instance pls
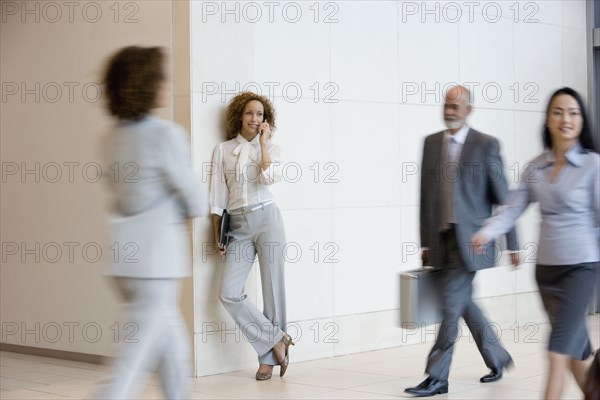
(154, 191)
(566, 183)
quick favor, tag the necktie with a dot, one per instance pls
(449, 175)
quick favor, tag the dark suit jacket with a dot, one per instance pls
(481, 184)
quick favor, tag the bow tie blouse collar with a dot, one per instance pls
(246, 153)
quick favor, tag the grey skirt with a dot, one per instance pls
(566, 292)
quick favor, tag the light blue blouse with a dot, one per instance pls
(570, 207)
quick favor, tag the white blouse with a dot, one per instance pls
(237, 180)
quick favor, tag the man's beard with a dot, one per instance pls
(456, 124)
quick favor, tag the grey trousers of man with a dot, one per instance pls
(261, 233)
(457, 291)
(156, 339)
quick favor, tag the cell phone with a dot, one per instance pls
(260, 131)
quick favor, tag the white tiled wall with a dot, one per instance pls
(385, 65)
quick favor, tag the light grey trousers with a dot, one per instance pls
(261, 233)
(159, 341)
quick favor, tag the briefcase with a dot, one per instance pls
(420, 297)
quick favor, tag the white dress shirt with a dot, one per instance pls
(237, 180)
(459, 140)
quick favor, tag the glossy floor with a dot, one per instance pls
(379, 374)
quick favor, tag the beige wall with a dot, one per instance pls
(62, 301)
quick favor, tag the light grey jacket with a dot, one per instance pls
(569, 206)
(149, 171)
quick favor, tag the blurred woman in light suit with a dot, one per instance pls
(246, 165)
(154, 191)
(566, 184)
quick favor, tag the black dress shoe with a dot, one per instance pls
(429, 387)
(496, 374)
(493, 376)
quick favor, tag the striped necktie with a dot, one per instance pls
(449, 176)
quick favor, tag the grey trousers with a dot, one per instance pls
(259, 233)
(456, 294)
(159, 341)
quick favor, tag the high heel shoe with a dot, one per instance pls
(263, 376)
(287, 341)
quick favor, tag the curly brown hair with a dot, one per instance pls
(132, 79)
(233, 114)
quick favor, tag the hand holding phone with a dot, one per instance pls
(265, 131)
